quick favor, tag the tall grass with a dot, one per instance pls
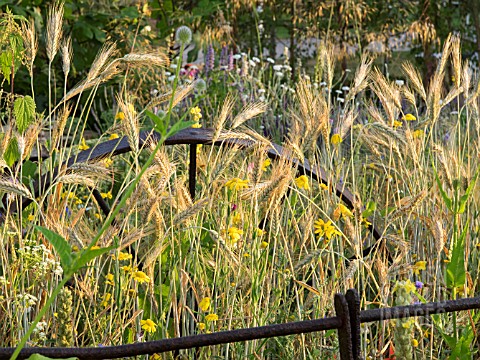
(258, 244)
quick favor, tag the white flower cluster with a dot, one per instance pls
(40, 259)
(41, 330)
(25, 302)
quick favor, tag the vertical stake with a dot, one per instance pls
(344, 332)
(353, 300)
(192, 170)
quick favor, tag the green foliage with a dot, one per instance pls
(24, 110)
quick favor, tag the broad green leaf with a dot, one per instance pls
(24, 110)
(445, 197)
(369, 209)
(159, 122)
(6, 58)
(28, 171)
(456, 266)
(463, 200)
(88, 255)
(62, 247)
(178, 126)
(41, 357)
(11, 153)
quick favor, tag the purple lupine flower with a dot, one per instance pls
(418, 285)
(211, 58)
(224, 56)
(230, 61)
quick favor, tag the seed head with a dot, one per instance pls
(183, 35)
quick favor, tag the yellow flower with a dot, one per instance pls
(324, 186)
(419, 265)
(418, 134)
(120, 116)
(263, 245)
(197, 125)
(237, 218)
(95, 247)
(127, 268)
(237, 184)
(266, 163)
(336, 139)
(246, 255)
(365, 222)
(109, 279)
(154, 356)
(211, 317)
(148, 325)
(204, 304)
(414, 342)
(107, 162)
(83, 145)
(140, 276)
(123, 256)
(113, 136)
(397, 124)
(342, 211)
(302, 182)
(325, 229)
(196, 112)
(31, 217)
(106, 300)
(234, 233)
(107, 195)
(259, 232)
(201, 326)
(409, 117)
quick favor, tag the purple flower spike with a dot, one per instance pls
(418, 285)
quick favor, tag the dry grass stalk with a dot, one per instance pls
(388, 133)
(96, 170)
(415, 78)
(67, 55)
(220, 120)
(189, 212)
(145, 59)
(248, 112)
(184, 200)
(76, 180)
(10, 185)
(389, 90)
(30, 41)
(59, 126)
(99, 64)
(456, 60)
(54, 29)
(361, 77)
(408, 204)
(130, 124)
(346, 122)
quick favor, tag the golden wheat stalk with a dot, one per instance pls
(248, 112)
(54, 29)
(59, 126)
(190, 211)
(76, 180)
(30, 41)
(67, 54)
(225, 112)
(415, 78)
(145, 59)
(10, 185)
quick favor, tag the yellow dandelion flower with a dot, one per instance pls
(325, 229)
(113, 136)
(98, 216)
(148, 325)
(342, 211)
(237, 184)
(259, 232)
(414, 342)
(302, 182)
(120, 116)
(336, 139)
(324, 186)
(201, 326)
(234, 234)
(418, 134)
(266, 163)
(83, 145)
(419, 265)
(140, 277)
(397, 124)
(211, 317)
(127, 268)
(31, 217)
(106, 300)
(123, 256)
(409, 117)
(205, 304)
(107, 195)
(109, 279)
(263, 245)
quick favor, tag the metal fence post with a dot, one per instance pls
(344, 331)
(353, 300)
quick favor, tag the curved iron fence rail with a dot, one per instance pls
(347, 321)
(190, 137)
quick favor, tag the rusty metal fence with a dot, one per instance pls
(347, 307)
(347, 323)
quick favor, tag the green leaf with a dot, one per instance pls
(159, 122)
(456, 266)
(41, 357)
(178, 126)
(6, 58)
(24, 110)
(62, 247)
(369, 209)
(463, 200)
(11, 153)
(88, 255)
(445, 197)
(28, 171)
